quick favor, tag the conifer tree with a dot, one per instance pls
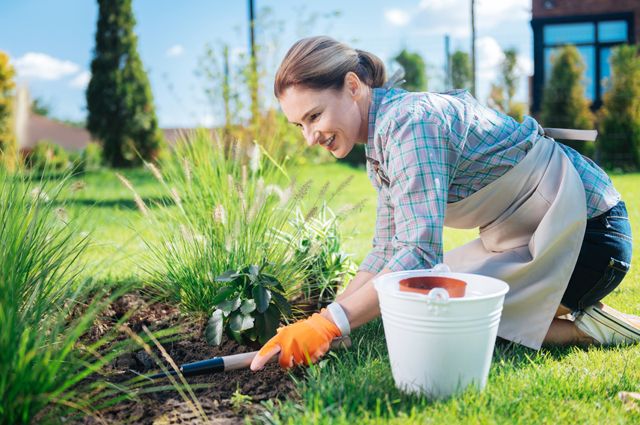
(564, 104)
(119, 98)
(619, 141)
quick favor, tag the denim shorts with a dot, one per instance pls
(604, 259)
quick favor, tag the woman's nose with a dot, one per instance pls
(311, 136)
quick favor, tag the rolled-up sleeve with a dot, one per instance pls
(382, 250)
(419, 165)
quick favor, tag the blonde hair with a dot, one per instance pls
(322, 63)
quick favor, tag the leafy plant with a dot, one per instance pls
(249, 308)
(317, 245)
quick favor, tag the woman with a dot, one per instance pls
(551, 223)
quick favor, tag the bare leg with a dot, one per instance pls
(564, 332)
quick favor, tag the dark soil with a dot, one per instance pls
(167, 407)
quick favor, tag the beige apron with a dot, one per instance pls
(532, 222)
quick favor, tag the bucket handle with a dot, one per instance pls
(438, 296)
(441, 267)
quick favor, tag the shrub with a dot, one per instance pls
(7, 136)
(92, 156)
(619, 141)
(42, 359)
(564, 104)
(88, 159)
(48, 156)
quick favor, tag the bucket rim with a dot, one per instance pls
(379, 285)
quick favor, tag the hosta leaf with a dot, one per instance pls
(254, 271)
(262, 296)
(213, 331)
(223, 294)
(229, 305)
(240, 322)
(267, 323)
(247, 306)
(227, 276)
(237, 336)
(282, 303)
(268, 280)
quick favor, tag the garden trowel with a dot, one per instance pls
(232, 362)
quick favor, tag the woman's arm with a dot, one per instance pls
(356, 283)
(360, 300)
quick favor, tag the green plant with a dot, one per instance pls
(239, 400)
(88, 159)
(119, 98)
(619, 142)
(564, 103)
(316, 245)
(48, 157)
(44, 307)
(224, 205)
(249, 308)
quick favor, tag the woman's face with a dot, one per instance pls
(333, 119)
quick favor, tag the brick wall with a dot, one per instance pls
(587, 7)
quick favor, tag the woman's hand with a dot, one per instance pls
(302, 342)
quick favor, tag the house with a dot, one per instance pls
(32, 128)
(42, 128)
(593, 26)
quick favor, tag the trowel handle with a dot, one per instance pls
(243, 361)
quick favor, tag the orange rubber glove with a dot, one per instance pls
(301, 342)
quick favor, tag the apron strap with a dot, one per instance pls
(396, 79)
(571, 134)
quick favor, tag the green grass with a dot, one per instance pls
(550, 386)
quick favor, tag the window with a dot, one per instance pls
(594, 39)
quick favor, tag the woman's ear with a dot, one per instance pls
(352, 84)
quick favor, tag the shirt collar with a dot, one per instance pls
(377, 95)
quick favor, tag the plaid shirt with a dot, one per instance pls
(426, 150)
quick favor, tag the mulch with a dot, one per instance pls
(168, 407)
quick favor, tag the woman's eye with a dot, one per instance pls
(314, 117)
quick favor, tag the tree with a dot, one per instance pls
(460, 70)
(502, 93)
(415, 74)
(40, 107)
(619, 141)
(7, 136)
(119, 98)
(564, 104)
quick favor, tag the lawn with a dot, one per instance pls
(550, 386)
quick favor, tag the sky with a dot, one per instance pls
(51, 43)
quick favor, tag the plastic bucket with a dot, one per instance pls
(439, 345)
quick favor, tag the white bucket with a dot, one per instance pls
(439, 345)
